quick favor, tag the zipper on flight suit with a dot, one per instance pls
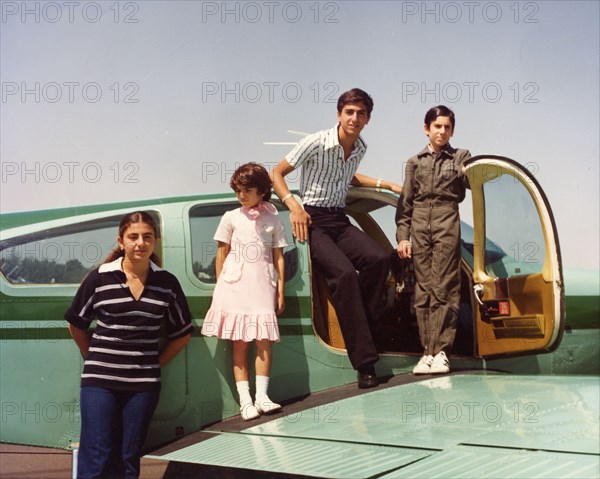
(431, 196)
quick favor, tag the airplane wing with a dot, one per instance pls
(463, 425)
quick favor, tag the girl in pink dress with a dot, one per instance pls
(249, 293)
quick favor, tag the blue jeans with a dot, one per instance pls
(113, 430)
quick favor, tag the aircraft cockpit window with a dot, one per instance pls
(61, 255)
(204, 220)
(512, 223)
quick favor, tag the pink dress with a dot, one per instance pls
(243, 302)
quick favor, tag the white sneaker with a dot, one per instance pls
(265, 406)
(440, 364)
(424, 365)
(249, 411)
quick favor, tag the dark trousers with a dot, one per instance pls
(113, 430)
(340, 250)
(435, 234)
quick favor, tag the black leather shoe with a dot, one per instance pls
(367, 378)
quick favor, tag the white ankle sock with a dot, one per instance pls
(243, 388)
(262, 386)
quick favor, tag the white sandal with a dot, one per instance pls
(249, 412)
(265, 406)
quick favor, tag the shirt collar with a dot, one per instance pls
(116, 265)
(332, 140)
(447, 150)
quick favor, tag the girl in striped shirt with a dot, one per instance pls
(133, 301)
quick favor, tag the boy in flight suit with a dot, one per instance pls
(434, 184)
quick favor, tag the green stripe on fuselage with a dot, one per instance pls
(582, 312)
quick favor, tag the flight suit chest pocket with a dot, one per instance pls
(423, 173)
(449, 171)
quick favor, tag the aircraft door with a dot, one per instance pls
(517, 269)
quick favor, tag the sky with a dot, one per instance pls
(107, 101)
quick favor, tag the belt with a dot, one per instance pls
(437, 204)
(325, 209)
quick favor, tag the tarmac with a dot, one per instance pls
(27, 462)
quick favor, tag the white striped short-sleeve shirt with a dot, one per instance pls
(325, 176)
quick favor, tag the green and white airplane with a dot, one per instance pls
(522, 400)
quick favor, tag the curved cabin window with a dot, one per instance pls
(62, 255)
(512, 225)
(204, 220)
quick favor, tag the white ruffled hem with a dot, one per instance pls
(241, 326)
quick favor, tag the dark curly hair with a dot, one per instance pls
(252, 175)
(356, 95)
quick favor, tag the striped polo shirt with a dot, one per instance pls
(325, 176)
(124, 347)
